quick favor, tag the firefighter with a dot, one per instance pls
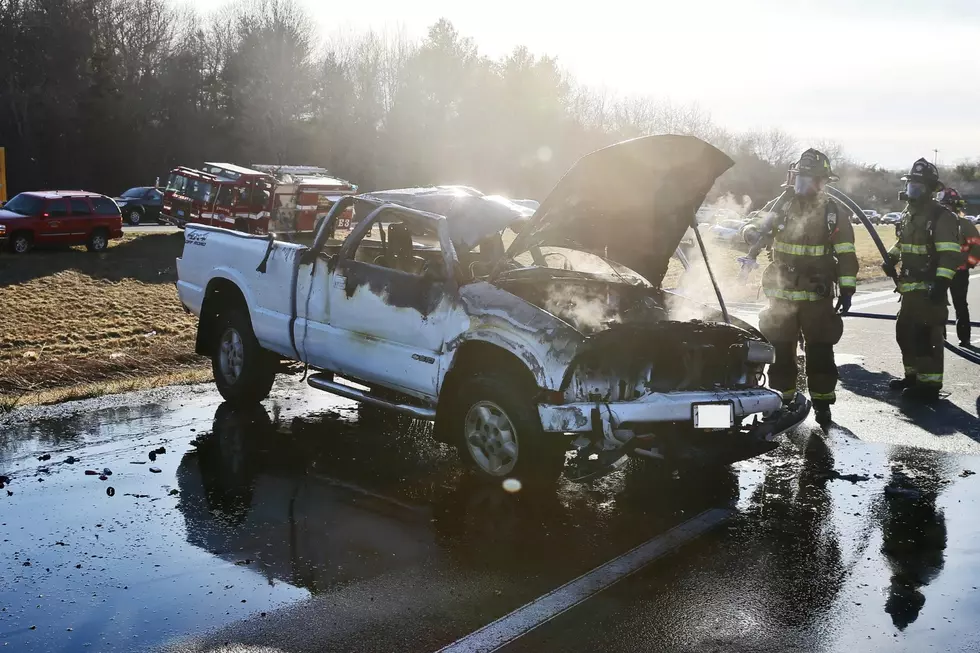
(970, 246)
(812, 251)
(928, 249)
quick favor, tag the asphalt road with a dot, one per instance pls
(314, 524)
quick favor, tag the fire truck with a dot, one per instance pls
(303, 196)
(283, 199)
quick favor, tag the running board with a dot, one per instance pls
(322, 382)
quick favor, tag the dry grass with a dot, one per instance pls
(77, 324)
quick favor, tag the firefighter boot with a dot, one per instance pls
(921, 393)
(963, 332)
(821, 411)
(902, 384)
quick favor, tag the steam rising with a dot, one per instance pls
(728, 202)
(587, 311)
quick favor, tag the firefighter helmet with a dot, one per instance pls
(814, 163)
(951, 199)
(923, 172)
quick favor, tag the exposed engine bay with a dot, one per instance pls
(626, 362)
(587, 303)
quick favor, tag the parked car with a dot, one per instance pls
(519, 352)
(873, 216)
(60, 217)
(727, 231)
(892, 218)
(3, 235)
(140, 204)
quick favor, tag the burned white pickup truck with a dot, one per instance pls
(522, 333)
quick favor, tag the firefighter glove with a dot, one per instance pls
(937, 293)
(844, 303)
(889, 270)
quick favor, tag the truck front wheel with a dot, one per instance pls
(243, 371)
(498, 432)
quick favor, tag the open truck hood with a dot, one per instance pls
(632, 201)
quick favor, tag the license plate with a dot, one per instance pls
(714, 415)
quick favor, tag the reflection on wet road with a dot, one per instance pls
(313, 524)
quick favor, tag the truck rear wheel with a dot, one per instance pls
(243, 371)
(498, 432)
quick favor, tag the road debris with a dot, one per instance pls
(155, 470)
(902, 492)
(111, 491)
(834, 474)
(44, 457)
(91, 472)
(967, 472)
(71, 460)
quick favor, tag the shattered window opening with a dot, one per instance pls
(402, 242)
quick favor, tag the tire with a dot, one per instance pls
(243, 371)
(134, 217)
(498, 432)
(98, 241)
(21, 243)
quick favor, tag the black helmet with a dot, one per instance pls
(924, 172)
(814, 163)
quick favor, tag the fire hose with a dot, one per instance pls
(973, 357)
(749, 263)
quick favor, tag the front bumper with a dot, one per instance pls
(661, 427)
(652, 409)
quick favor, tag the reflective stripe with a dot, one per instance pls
(895, 250)
(936, 379)
(848, 282)
(793, 295)
(824, 396)
(947, 247)
(909, 287)
(799, 250)
(918, 249)
(945, 273)
(789, 394)
(844, 248)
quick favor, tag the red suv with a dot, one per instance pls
(60, 217)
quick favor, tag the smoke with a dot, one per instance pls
(587, 311)
(696, 284)
(728, 202)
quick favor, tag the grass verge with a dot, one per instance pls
(77, 324)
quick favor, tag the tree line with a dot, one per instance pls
(108, 94)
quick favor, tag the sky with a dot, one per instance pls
(889, 80)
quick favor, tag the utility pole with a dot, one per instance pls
(935, 157)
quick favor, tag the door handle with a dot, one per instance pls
(54, 223)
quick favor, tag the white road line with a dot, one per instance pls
(545, 608)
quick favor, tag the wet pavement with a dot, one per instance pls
(313, 524)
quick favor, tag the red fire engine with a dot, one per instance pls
(284, 199)
(303, 196)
